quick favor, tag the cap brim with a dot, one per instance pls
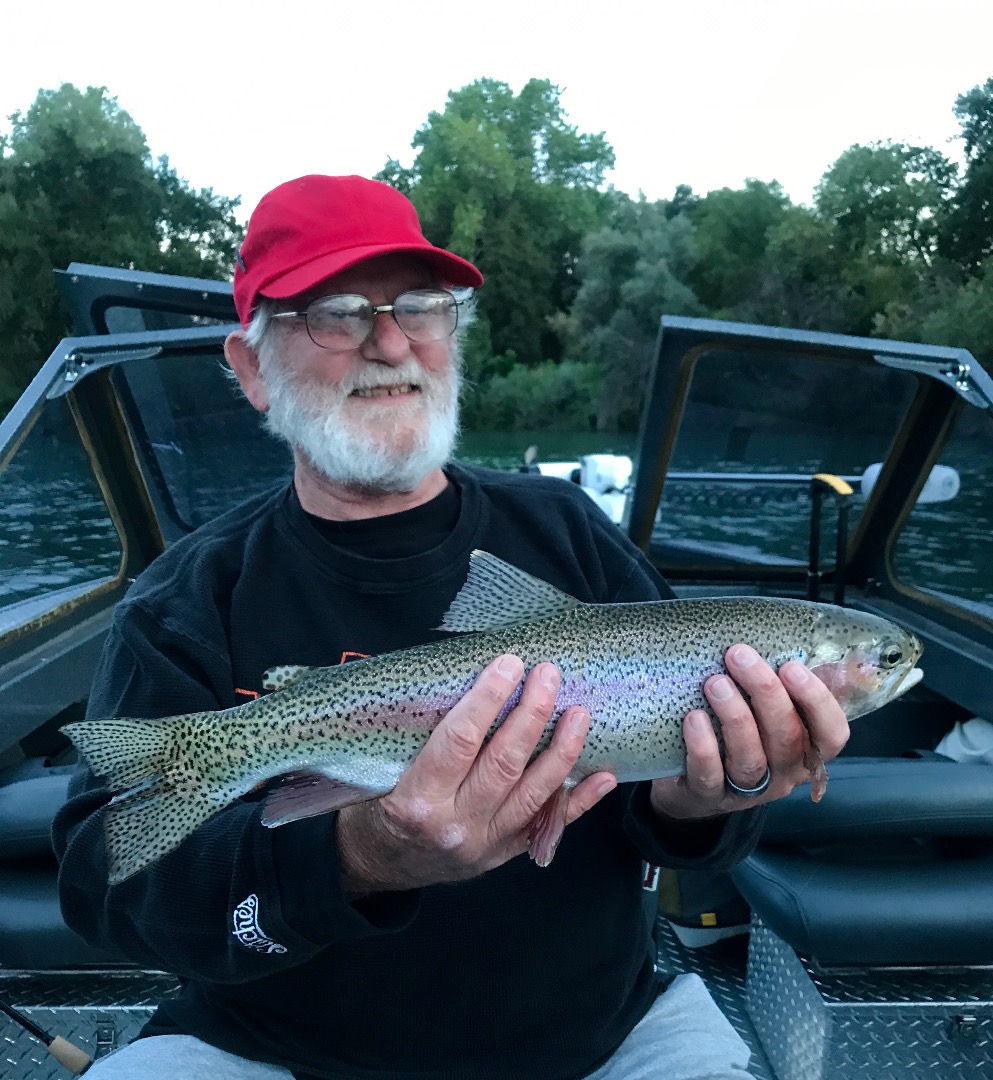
(452, 269)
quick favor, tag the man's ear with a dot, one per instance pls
(244, 362)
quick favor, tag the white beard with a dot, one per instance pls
(397, 447)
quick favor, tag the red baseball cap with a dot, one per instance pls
(310, 228)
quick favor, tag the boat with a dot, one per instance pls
(858, 939)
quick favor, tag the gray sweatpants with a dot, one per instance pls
(684, 1036)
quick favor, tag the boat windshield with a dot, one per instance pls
(58, 540)
(944, 548)
(756, 428)
(205, 439)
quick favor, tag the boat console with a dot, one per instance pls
(858, 939)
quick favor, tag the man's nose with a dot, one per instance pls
(387, 342)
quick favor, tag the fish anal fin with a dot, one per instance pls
(546, 830)
(497, 595)
(283, 675)
(310, 794)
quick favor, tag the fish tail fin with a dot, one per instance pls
(159, 798)
(124, 752)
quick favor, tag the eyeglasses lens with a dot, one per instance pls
(344, 321)
(426, 316)
(339, 322)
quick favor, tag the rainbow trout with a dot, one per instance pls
(342, 734)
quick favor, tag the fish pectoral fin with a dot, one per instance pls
(497, 595)
(283, 675)
(546, 830)
(814, 764)
(304, 795)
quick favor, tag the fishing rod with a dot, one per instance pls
(75, 1059)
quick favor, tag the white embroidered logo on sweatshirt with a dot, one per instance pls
(248, 931)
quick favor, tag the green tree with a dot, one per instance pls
(549, 397)
(682, 201)
(945, 312)
(77, 183)
(886, 202)
(967, 229)
(506, 181)
(799, 280)
(632, 272)
(732, 233)
(974, 112)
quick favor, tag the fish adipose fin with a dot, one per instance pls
(283, 675)
(304, 795)
(158, 798)
(497, 595)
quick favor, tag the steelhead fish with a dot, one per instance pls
(346, 733)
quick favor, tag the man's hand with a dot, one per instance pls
(761, 731)
(462, 808)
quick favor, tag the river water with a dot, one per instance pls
(55, 531)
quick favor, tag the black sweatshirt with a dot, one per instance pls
(524, 972)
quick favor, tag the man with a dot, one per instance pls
(407, 936)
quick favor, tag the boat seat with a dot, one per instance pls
(33, 934)
(893, 867)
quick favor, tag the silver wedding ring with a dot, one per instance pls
(750, 793)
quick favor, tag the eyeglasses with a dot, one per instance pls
(344, 321)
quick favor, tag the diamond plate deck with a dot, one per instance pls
(890, 1025)
(800, 1023)
(96, 1010)
(81, 1006)
(722, 966)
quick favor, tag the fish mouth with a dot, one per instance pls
(912, 678)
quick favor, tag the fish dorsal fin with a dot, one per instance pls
(497, 595)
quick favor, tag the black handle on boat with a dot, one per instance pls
(77, 1061)
(822, 484)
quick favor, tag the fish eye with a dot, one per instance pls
(890, 654)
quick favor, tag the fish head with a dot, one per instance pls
(863, 659)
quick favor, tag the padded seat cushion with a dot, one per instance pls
(887, 797)
(33, 934)
(894, 866)
(27, 808)
(934, 913)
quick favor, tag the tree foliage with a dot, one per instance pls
(632, 271)
(77, 183)
(799, 278)
(896, 242)
(549, 397)
(886, 200)
(732, 231)
(505, 181)
(967, 230)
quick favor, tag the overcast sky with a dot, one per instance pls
(701, 92)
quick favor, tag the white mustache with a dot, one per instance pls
(313, 417)
(371, 379)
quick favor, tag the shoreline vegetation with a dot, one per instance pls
(898, 243)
